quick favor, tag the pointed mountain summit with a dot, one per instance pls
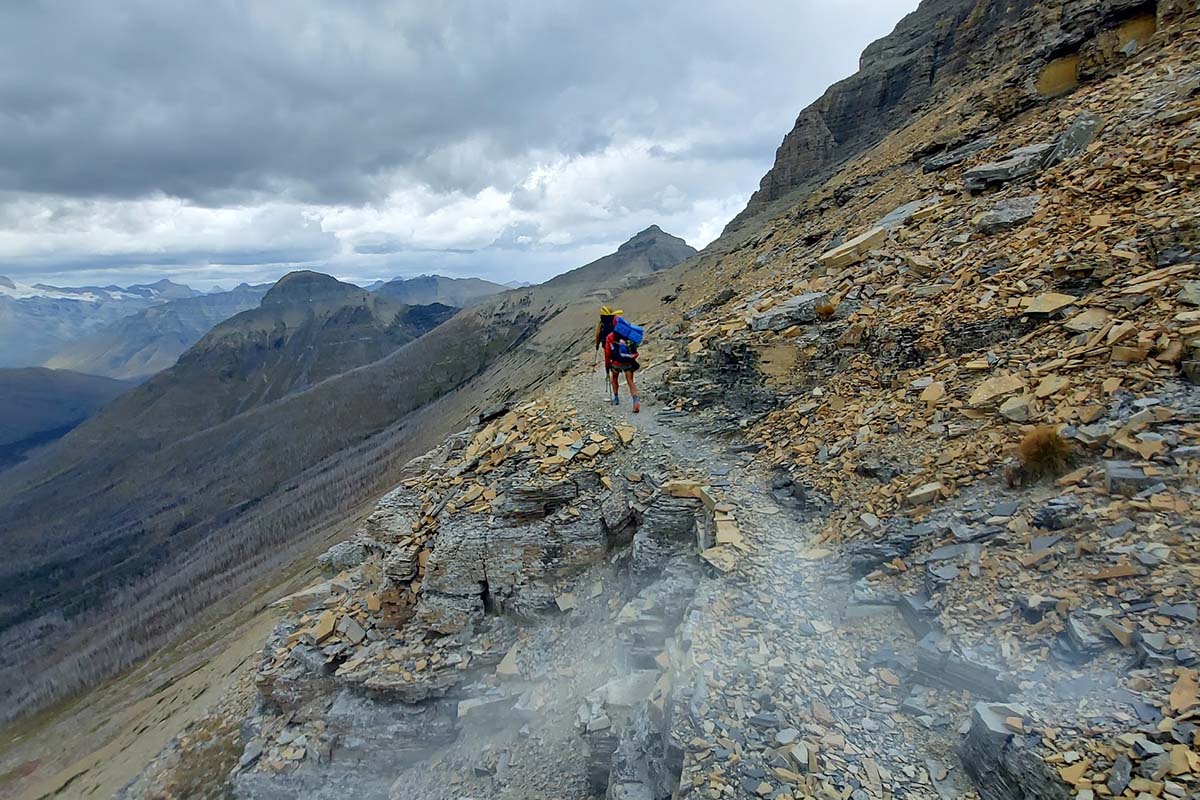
(647, 252)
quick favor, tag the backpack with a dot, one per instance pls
(627, 330)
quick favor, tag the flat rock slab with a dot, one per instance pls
(1006, 214)
(1017, 164)
(798, 310)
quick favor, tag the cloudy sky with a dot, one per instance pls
(215, 141)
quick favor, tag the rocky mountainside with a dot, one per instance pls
(40, 405)
(224, 468)
(37, 320)
(910, 511)
(151, 340)
(426, 289)
(1019, 53)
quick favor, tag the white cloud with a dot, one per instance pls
(208, 143)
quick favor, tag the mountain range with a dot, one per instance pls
(183, 492)
(150, 340)
(133, 332)
(37, 320)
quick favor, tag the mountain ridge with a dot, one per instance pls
(426, 289)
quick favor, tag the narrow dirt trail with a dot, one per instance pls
(798, 684)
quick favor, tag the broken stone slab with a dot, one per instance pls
(1016, 409)
(1010, 213)
(349, 627)
(628, 691)
(1120, 775)
(958, 154)
(1189, 293)
(1123, 478)
(477, 708)
(940, 663)
(897, 542)
(994, 388)
(348, 554)
(1016, 164)
(902, 215)
(1083, 643)
(918, 613)
(924, 494)
(1075, 139)
(1003, 764)
(1049, 304)
(510, 666)
(855, 250)
(799, 310)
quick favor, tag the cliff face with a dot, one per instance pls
(942, 46)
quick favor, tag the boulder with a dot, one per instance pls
(1004, 764)
(1016, 164)
(1075, 139)
(855, 250)
(348, 554)
(1122, 477)
(1010, 213)
(958, 154)
(798, 310)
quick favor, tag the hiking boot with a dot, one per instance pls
(616, 400)
(637, 407)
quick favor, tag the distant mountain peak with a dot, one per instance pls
(7, 282)
(306, 286)
(650, 236)
(427, 289)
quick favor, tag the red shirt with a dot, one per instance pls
(612, 352)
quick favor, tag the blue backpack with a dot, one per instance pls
(627, 330)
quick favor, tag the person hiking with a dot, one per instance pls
(620, 356)
(619, 339)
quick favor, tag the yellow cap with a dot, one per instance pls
(608, 312)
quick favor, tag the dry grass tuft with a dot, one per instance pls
(1044, 453)
(825, 311)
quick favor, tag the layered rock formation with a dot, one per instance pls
(420, 632)
(1024, 52)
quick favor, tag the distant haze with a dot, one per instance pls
(215, 143)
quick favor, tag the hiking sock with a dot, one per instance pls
(636, 405)
(616, 399)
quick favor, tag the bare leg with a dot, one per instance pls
(637, 406)
(613, 375)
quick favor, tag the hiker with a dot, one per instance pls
(620, 340)
(620, 356)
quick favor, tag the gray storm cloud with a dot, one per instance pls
(208, 134)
